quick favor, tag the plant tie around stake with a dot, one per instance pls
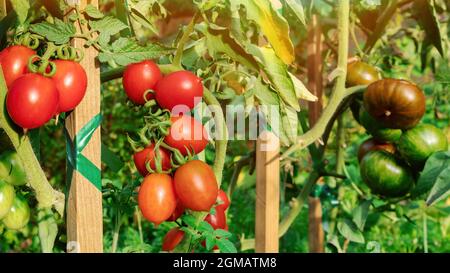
(77, 161)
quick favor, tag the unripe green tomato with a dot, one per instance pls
(7, 195)
(378, 131)
(11, 170)
(420, 142)
(385, 174)
(19, 214)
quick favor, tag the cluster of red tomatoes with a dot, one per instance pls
(33, 99)
(166, 192)
(390, 110)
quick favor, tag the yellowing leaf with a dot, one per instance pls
(272, 25)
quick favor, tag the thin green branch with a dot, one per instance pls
(339, 92)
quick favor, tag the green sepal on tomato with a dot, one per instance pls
(11, 170)
(386, 175)
(420, 142)
(7, 195)
(187, 135)
(18, 215)
(148, 156)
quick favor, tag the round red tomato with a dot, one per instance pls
(179, 88)
(196, 185)
(148, 155)
(179, 210)
(140, 77)
(32, 101)
(156, 197)
(172, 239)
(14, 62)
(222, 200)
(186, 133)
(218, 220)
(71, 82)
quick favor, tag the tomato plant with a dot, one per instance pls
(196, 186)
(373, 145)
(360, 73)
(223, 201)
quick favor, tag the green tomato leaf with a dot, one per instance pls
(59, 32)
(189, 220)
(436, 164)
(225, 246)
(126, 51)
(221, 233)
(441, 187)
(289, 121)
(48, 229)
(220, 41)
(272, 24)
(21, 7)
(350, 231)
(93, 12)
(425, 13)
(205, 227)
(107, 26)
(210, 241)
(277, 73)
(360, 214)
(110, 159)
(300, 89)
(297, 8)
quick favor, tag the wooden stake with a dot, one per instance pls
(267, 193)
(314, 65)
(3, 11)
(84, 211)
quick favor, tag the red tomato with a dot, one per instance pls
(222, 200)
(148, 155)
(196, 185)
(218, 220)
(71, 82)
(156, 198)
(187, 133)
(172, 239)
(179, 210)
(140, 77)
(32, 101)
(14, 62)
(179, 88)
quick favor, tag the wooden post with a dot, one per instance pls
(314, 66)
(84, 211)
(3, 11)
(267, 193)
